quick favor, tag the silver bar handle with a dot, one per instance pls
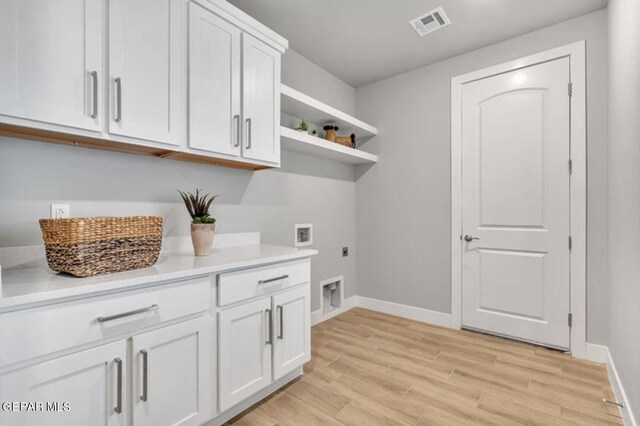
(281, 277)
(248, 120)
(145, 375)
(280, 310)
(118, 408)
(128, 314)
(269, 340)
(118, 99)
(236, 118)
(94, 94)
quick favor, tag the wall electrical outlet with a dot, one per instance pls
(60, 211)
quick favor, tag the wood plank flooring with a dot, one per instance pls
(369, 368)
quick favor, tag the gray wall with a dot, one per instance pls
(305, 190)
(624, 193)
(403, 203)
(303, 75)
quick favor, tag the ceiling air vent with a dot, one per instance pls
(430, 22)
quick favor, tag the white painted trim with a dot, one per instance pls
(347, 304)
(596, 353)
(600, 353)
(405, 311)
(576, 54)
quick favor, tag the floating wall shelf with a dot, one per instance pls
(293, 140)
(305, 107)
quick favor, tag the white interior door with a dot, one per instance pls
(172, 382)
(292, 341)
(516, 204)
(214, 83)
(52, 61)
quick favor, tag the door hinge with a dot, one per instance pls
(570, 89)
(570, 242)
(570, 166)
(570, 320)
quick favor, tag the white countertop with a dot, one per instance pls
(35, 285)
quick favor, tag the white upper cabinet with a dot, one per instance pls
(51, 69)
(214, 83)
(189, 80)
(145, 69)
(260, 100)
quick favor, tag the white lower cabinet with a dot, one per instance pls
(245, 351)
(292, 341)
(172, 375)
(87, 387)
(154, 356)
(260, 342)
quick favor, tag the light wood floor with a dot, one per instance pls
(369, 368)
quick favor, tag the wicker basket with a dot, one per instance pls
(101, 245)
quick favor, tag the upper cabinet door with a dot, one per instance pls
(145, 70)
(292, 341)
(52, 61)
(214, 83)
(172, 383)
(87, 387)
(260, 100)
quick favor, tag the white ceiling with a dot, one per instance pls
(361, 41)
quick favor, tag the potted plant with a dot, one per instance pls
(203, 225)
(303, 127)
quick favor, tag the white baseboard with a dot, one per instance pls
(405, 311)
(317, 316)
(627, 412)
(596, 353)
(600, 353)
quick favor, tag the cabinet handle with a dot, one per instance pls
(248, 120)
(280, 310)
(94, 81)
(281, 277)
(145, 375)
(128, 314)
(236, 118)
(118, 99)
(118, 408)
(269, 340)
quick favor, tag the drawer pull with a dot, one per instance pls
(145, 375)
(118, 408)
(270, 280)
(128, 314)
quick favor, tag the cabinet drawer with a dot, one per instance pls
(246, 284)
(33, 332)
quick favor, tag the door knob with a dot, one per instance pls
(469, 238)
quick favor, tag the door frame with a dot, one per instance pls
(578, 189)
